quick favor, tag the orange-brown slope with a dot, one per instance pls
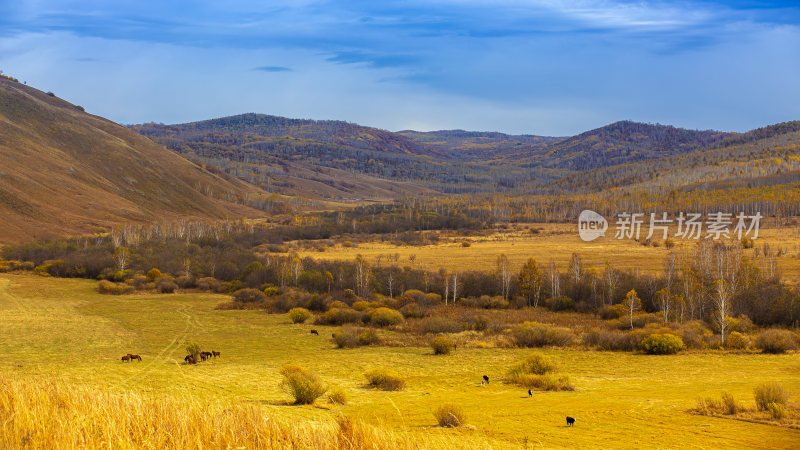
(63, 171)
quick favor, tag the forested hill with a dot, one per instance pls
(63, 171)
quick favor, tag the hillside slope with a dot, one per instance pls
(63, 171)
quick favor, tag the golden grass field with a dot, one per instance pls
(555, 241)
(62, 331)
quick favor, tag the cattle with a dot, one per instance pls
(570, 421)
(486, 379)
(530, 393)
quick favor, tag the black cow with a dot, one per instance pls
(570, 421)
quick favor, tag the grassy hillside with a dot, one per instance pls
(58, 329)
(65, 171)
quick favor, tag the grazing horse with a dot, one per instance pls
(126, 358)
(215, 353)
(189, 359)
(315, 332)
(486, 379)
(570, 421)
(203, 356)
(136, 357)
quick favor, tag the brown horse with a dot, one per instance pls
(215, 353)
(136, 357)
(203, 356)
(126, 358)
(189, 359)
(315, 332)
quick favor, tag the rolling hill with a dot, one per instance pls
(63, 171)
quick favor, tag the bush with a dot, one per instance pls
(695, 335)
(661, 344)
(450, 416)
(534, 334)
(769, 393)
(729, 404)
(775, 341)
(193, 349)
(431, 299)
(153, 274)
(368, 337)
(611, 340)
(383, 317)
(302, 385)
(737, 341)
(361, 305)
(166, 286)
(559, 303)
(611, 312)
(299, 315)
(537, 364)
(442, 345)
(385, 380)
(107, 287)
(208, 284)
(338, 316)
(546, 382)
(271, 291)
(430, 325)
(249, 296)
(185, 282)
(639, 321)
(346, 338)
(412, 310)
(337, 396)
(338, 304)
(777, 411)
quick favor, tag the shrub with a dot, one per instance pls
(137, 281)
(737, 341)
(107, 287)
(347, 244)
(695, 335)
(611, 312)
(466, 243)
(450, 416)
(776, 410)
(729, 404)
(769, 393)
(338, 316)
(383, 317)
(431, 299)
(185, 282)
(611, 340)
(153, 274)
(775, 341)
(337, 396)
(561, 303)
(346, 338)
(361, 305)
(208, 284)
(368, 337)
(385, 380)
(639, 321)
(299, 315)
(661, 344)
(439, 325)
(271, 291)
(546, 382)
(537, 364)
(249, 296)
(412, 310)
(166, 286)
(193, 349)
(534, 334)
(304, 386)
(337, 304)
(442, 345)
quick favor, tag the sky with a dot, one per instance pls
(544, 67)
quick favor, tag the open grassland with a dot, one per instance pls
(61, 330)
(553, 241)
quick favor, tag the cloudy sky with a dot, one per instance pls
(546, 67)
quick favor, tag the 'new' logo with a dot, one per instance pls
(591, 225)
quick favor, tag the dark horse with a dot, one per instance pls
(126, 358)
(215, 353)
(136, 357)
(189, 359)
(315, 332)
(203, 356)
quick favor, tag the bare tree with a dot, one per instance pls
(504, 271)
(632, 304)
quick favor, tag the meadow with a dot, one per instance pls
(62, 331)
(552, 241)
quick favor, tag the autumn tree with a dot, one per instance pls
(504, 272)
(632, 304)
(122, 258)
(530, 282)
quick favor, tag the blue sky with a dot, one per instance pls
(544, 67)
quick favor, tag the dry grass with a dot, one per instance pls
(39, 414)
